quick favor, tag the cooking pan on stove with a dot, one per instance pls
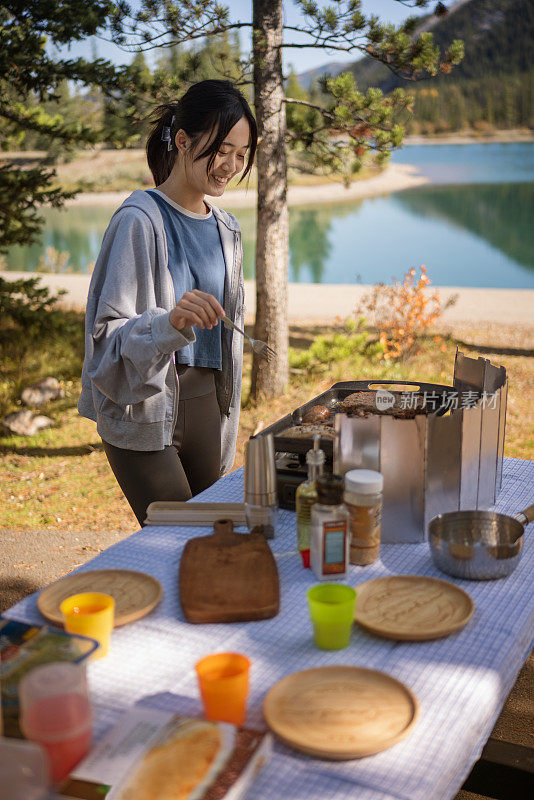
(478, 545)
(338, 392)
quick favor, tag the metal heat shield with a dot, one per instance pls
(402, 463)
(472, 376)
(357, 443)
(468, 375)
(502, 434)
(494, 378)
(470, 457)
(443, 465)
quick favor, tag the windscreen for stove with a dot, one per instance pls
(445, 460)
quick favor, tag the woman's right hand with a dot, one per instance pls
(196, 308)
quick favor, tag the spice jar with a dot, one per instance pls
(363, 498)
(329, 548)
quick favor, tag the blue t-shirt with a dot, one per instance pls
(196, 261)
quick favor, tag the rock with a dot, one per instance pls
(25, 423)
(41, 392)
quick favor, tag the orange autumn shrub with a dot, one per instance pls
(402, 312)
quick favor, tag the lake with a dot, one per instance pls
(472, 226)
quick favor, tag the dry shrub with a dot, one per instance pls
(402, 312)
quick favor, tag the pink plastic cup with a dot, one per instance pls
(55, 712)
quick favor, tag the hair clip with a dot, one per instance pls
(166, 134)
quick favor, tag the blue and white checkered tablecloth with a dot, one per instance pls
(461, 681)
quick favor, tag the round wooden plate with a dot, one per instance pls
(412, 607)
(136, 594)
(340, 712)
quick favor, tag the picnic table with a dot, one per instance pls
(461, 681)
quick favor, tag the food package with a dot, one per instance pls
(24, 647)
(152, 754)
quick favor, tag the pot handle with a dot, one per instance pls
(526, 516)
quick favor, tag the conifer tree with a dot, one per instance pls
(31, 78)
(336, 134)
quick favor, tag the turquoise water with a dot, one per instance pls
(471, 227)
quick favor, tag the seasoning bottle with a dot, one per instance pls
(363, 498)
(306, 496)
(329, 530)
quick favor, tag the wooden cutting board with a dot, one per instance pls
(412, 607)
(340, 712)
(228, 577)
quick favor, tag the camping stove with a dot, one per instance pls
(447, 459)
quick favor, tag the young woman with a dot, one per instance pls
(162, 374)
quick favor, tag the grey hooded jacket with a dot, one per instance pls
(129, 382)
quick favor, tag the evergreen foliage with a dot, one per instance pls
(34, 99)
(29, 318)
(333, 132)
(492, 88)
(495, 102)
(337, 125)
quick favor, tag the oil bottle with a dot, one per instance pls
(306, 496)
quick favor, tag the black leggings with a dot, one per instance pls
(188, 466)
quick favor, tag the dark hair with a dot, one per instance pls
(206, 107)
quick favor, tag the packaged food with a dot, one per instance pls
(152, 753)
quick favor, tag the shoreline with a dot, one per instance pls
(504, 137)
(322, 303)
(395, 178)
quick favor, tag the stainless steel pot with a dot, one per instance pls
(478, 545)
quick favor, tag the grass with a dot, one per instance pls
(59, 479)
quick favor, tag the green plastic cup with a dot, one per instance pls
(332, 614)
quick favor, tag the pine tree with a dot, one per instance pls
(31, 81)
(124, 120)
(335, 132)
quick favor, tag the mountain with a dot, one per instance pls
(333, 68)
(498, 37)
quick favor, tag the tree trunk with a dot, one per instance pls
(272, 238)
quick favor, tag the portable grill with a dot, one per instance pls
(446, 459)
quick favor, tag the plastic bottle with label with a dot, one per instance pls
(330, 530)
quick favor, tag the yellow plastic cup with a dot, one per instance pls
(332, 614)
(90, 614)
(223, 682)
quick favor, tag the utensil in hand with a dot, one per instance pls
(90, 614)
(332, 614)
(55, 712)
(261, 348)
(223, 682)
(478, 545)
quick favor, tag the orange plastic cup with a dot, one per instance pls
(223, 683)
(90, 614)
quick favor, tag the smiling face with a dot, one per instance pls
(229, 160)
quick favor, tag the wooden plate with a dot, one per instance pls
(340, 712)
(136, 594)
(412, 607)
